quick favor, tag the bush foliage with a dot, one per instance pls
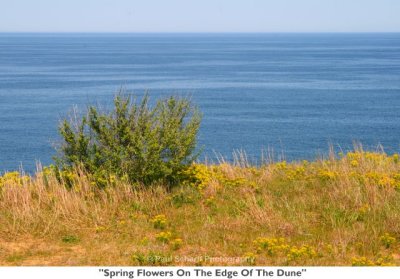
(135, 141)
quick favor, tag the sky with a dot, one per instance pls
(199, 15)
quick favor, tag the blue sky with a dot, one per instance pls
(199, 15)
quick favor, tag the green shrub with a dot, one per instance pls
(143, 143)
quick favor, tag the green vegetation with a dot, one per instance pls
(340, 211)
(135, 141)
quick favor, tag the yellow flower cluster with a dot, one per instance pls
(235, 182)
(364, 261)
(386, 261)
(386, 181)
(382, 179)
(362, 211)
(68, 175)
(271, 245)
(48, 171)
(375, 156)
(359, 161)
(387, 240)
(356, 158)
(13, 179)
(281, 165)
(296, 173)
(254, 171)
(221, 174)
(164, 237)
(275, 246)
(200, 175)
(304, 171)
(197, 176)
(354, 163)
(71, 178)
(176, 243)
(159, 221)
(305, 251)
(327, 175)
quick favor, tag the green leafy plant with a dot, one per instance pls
(143, 143)
(70, 239)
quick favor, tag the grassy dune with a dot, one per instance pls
(343, 210)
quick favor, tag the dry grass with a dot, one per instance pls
(339, 211)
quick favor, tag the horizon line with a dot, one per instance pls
(199, 32)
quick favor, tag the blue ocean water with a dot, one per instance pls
(291, 93)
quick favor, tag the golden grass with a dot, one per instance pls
(338, 211)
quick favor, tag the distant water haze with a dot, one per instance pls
(291, 93)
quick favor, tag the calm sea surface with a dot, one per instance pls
(293, 93)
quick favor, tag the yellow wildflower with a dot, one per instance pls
(164, 237)
(159, 221)
(387, 240)
(176, 243)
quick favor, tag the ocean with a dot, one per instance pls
(290, 94)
